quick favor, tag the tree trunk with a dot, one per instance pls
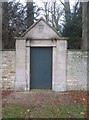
(67, 10)
(88, 25)
(30, 14)
(0, 25)
(85, 26)
(5, 23)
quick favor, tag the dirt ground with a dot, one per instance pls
(39, 98)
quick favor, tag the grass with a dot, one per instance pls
(13, 111)
(50, 111)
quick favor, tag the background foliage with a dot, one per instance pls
(18, 17)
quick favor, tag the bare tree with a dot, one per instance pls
(53, 12)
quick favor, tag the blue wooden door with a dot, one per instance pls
(41, 68)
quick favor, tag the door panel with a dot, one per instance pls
(41, 68)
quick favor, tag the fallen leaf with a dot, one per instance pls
(84, 99)
(82, 113)
(28, 110)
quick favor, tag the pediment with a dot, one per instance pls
(41, 30)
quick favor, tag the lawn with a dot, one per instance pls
(55, 111)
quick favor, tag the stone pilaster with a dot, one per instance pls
(20, 65)
(60, 66)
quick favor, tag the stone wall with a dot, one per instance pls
(8, 69)
(76, 70)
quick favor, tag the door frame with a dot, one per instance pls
(40, 43)
(59, 61)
